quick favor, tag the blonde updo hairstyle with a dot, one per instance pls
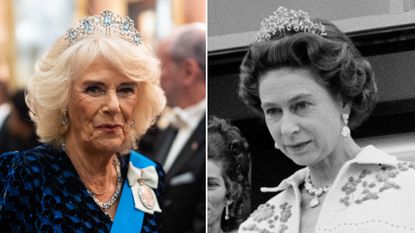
(49, 88)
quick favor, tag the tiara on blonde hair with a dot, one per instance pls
(105, 23)
(284, 20)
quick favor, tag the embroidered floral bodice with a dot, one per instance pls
(372, 193)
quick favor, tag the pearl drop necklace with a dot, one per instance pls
(313, 191)
(106, 205)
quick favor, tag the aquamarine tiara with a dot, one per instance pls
(284, 20)
(107, 22)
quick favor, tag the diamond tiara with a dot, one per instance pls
(284, 20)
(107, 22)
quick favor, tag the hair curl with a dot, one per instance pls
(48, 90)
(227, 147)
(333, 59)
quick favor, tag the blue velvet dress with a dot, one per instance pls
(40, 191)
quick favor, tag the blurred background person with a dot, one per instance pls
(228, 177)
(180, 147)
(4, 92)
(18, 130)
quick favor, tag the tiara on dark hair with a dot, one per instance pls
(285, 20)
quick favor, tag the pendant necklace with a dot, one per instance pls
(313, 191)
(106, 205)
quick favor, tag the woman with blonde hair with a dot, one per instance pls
(93, 94)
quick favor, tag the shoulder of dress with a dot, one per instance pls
(370, 182)
(31, 160)
(274, 214)
(24, 171)
(380, 169)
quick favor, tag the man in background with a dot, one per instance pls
(180, 147)
(18, 131)
(4, 94)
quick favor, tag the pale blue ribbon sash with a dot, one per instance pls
(128, 218)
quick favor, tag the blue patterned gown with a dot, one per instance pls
(40, 191)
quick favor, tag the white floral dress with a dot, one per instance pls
(372, 193)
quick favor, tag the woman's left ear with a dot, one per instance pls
(229, 202)
(346, 107)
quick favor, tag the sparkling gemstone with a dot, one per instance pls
(314, 202)
(126, 25)
(88, 27)
(137, 38)
(107, 18)
(345, 131)
(72, 34)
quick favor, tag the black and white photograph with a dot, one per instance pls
(322, 92)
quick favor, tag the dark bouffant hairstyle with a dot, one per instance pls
(333, 59)
(227, 147)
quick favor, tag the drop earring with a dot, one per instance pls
(345, 130)
(132, 124)
(65, 119)
(227, 212)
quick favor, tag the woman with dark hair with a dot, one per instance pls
(228, 177)
(311, 85)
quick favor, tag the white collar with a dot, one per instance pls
(368, 155)
(188, 117)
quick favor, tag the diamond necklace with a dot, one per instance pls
(106, 205)
(313, 191)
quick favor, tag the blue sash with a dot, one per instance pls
(128, 218)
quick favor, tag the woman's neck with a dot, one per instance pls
(215, 228)
(96, 170)
(324, 172)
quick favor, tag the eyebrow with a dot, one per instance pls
(295, 98)
(99, 83)
(131, 83)
(299, 97)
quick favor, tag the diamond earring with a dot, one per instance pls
(345, 130)
(65, 119)
(226, 212)
(276, 145)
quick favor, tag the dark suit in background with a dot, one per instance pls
(182, 55)
(184, 191)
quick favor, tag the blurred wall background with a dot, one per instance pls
(29, 27)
